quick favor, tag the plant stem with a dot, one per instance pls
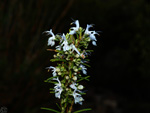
(70, 109)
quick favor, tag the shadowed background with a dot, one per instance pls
(120, 64)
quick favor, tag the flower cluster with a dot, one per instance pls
(71, 55)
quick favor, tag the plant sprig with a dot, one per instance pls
(71, 55)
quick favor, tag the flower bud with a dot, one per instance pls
(58, 54)
(77, 55)
(89, 39)
(75, 70)
(67, 77)
(55, 56)
(59, 73)
(75, 73)
(81, 99)
(57, 69)
(74, 78)
(67, 58)
(80, 87)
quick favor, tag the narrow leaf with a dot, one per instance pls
(49, 109)
(86, 64)
(82, 110)
(58, 106)
(54, 60)
(82, 78)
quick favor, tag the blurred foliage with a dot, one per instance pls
(120, 63)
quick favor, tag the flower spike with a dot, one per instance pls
(71, 55)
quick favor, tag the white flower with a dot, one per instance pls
(91, 34)
(58, 88)
(58, 47)
(73, 86)
(52, 38)
(67, 47)
(80, 87)
(87, 29)
(74, 29)
(93, 38)
(74, 48)
(65, 44)
(83, 69)
(53, 69)
(76, 95)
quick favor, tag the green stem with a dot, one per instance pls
(70, 109)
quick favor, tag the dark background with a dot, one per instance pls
(120, 64)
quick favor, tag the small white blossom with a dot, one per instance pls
(65, 44)
(93, 38)
(73, 86)
(74, 48)
(58, 88)
(83, 69)
(52, 38)
(53, 69)
(58, 47)
(76, 95)
(87, 29)
(91, 34)
(74, 29)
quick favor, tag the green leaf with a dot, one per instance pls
(54, 60)
(86, 64)
(52, 92)
(82, 78)
(49, 80)
(52, 82)
(59, 51)
(87, 109)
(49, 109)
(58, 106)
(89, 50)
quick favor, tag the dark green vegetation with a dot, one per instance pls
(120, 65)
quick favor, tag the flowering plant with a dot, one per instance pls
(71, 55)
